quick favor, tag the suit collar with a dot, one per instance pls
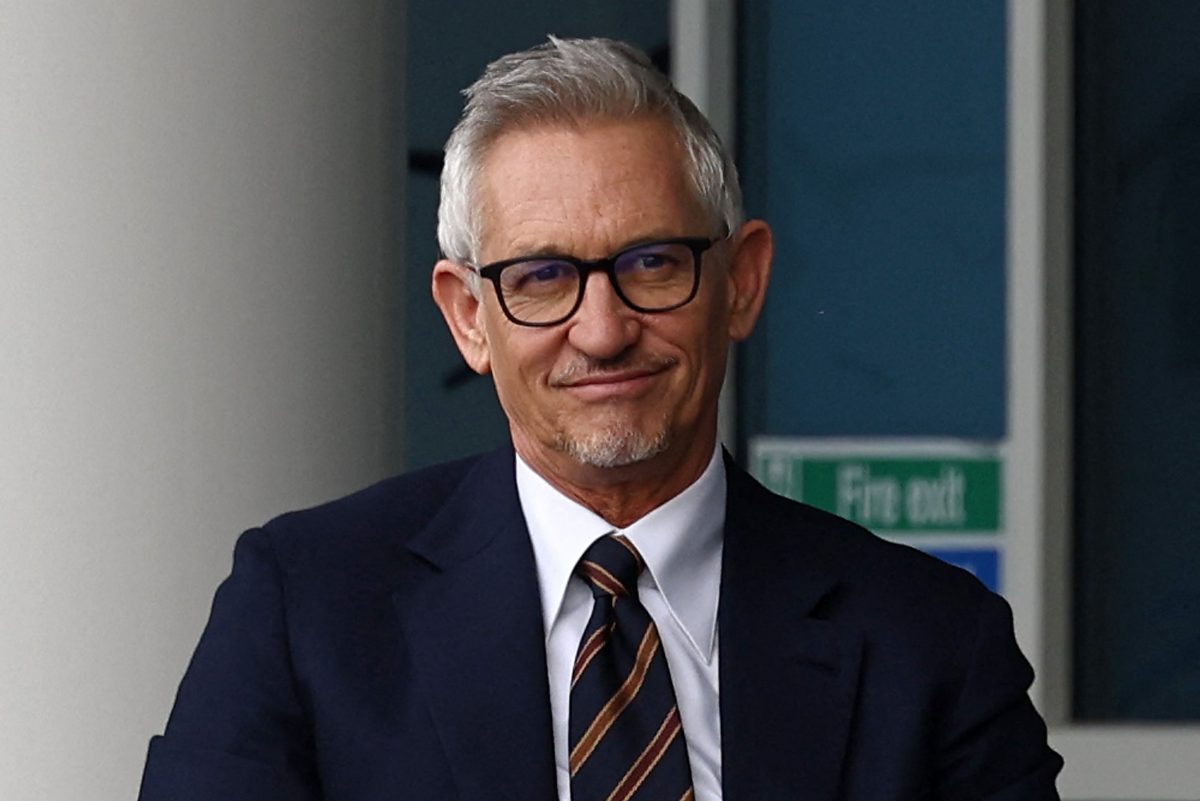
(788, 677)
(471, 618)
(483, 507)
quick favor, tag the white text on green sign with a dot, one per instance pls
(894, 494)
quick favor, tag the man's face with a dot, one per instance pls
(610, 387)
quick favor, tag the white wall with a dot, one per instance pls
(197, 331)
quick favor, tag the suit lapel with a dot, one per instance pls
(472, 621)
(788, 678)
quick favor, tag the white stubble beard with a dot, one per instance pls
(613, 445)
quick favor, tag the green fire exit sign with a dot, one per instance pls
(889, 492)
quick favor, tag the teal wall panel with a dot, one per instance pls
(872, 137)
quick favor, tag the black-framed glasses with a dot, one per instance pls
(546, 290)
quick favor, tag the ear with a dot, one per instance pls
(463, 312)
(750, 257)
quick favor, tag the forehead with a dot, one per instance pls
(586, 188)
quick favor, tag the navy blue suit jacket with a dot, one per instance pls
(390, 646)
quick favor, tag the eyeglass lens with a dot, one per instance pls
(653, 277)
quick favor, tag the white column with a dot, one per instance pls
(197, 331)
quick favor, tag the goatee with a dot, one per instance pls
(613, 446)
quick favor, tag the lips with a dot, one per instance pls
(618, 377)
(600, 382)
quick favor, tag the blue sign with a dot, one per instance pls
(983, 563)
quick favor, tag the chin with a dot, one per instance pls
(614, 447)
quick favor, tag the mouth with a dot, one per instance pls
(592, 383)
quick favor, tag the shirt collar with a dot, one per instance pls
(680, 542)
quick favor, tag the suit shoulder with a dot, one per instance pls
(377, 517)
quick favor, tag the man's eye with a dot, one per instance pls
(537, 276)
(547, 272)
(645, 261)
(649, 261)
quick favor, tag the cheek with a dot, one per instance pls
(709, 350)
(511, 383)
(521, 361)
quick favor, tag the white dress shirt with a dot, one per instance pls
(681, 544)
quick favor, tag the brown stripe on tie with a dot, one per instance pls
(588, 651)
(649, 758)
(690, 795)
(641, 563)
(607, 581)
(616, 705)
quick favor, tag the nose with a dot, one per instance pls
(603, 326)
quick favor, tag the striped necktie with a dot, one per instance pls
(625, 734)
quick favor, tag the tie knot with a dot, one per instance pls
(611, 566)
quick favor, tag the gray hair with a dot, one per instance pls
(569, 80)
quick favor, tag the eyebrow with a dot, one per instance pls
(543, 251)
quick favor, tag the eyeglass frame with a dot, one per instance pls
(608, 265)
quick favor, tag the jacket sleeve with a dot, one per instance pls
(238, 730)
(993, 743)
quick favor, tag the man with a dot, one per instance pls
(611, 608)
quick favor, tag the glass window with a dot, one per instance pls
(1137, 346)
